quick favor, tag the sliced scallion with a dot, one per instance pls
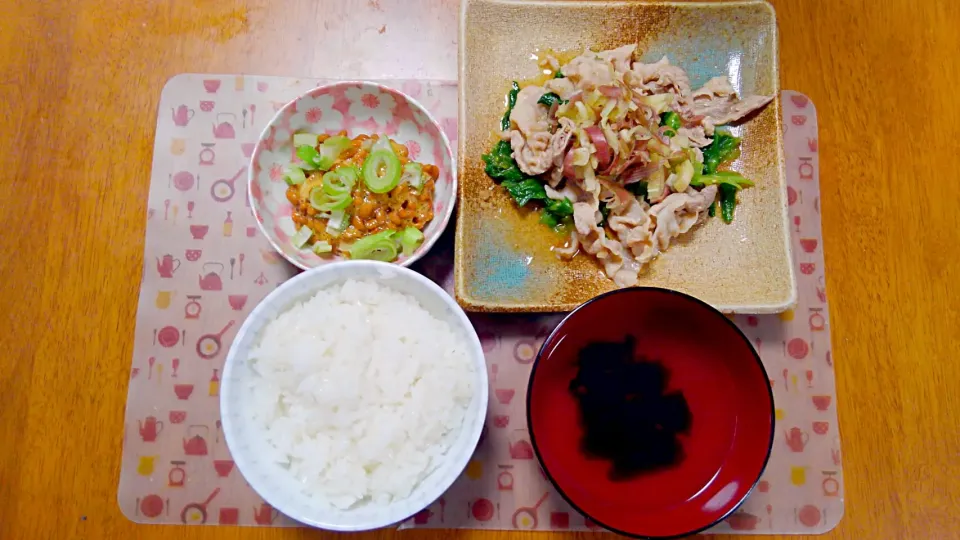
(322, 247)
(381, 171)
(413, 175)
(293, 175)
(301, 237)
(378, 247)
(308, 139)
(410, 240)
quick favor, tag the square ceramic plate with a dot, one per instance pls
(503, 257)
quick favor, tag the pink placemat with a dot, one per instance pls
(206, 266)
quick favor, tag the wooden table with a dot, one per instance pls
(79, 86)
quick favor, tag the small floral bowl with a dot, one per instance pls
(354, 107)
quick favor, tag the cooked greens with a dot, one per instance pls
(724, 147)
(550, 99)
(500, 164)
(511, 102)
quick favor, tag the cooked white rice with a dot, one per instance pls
(360, 392)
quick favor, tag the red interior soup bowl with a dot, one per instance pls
(719, 442)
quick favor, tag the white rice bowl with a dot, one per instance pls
(353, 397)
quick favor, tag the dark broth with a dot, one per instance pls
(627, 414)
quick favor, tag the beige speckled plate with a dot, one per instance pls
(503, 257)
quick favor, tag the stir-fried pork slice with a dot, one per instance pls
(678, 213)
(571, 249)
(589, 71)
(696, 135)
(657, 78)
(617, 262)
(562, 87)
(620, 57)
(529, 116)
(535, 149)
(716, 104)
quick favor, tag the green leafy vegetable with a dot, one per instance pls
(500, 164)
(561, 209)
(511, 101)
(549, 99)
(605, 212)
(723, 148)
(558, 75)
(524, 191)
(732, 178)
(670, 119)
(728, 201)
(639, 189)
(548, 219)
(556, 212)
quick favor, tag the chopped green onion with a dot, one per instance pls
(410, 240)
(383, 143)
(322, 247)
(330, 151)
(305, 139)
(317, 198)
(377, 247)
(339, 219)
(335, 184)
(350, 174)
(413, 175)
(558, 75)
(391, 171)
(293, 175)
(309, 156)
(302, 236)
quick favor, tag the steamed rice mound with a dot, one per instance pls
(360, 392)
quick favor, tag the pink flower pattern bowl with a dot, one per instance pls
(356, 107)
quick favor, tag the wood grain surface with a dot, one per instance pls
(79, 87)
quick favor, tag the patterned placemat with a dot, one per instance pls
(206, 266)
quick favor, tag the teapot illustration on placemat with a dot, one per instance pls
(224, 129)
(796, 439)
(182, 115)
(210, 280)
(195, 444)
(167, 266)
(150, 427)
